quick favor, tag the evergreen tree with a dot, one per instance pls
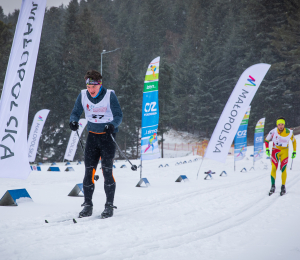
(47, 90)
(2, 15)
(150, 33)
(166, 102)
(130, 98)
(204, 47)
(12, 18)
(285, 41)
(185, 83)
(6, 38)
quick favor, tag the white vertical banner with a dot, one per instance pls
(15, 98)
(73, 141)
(35, 133)
(234, 111)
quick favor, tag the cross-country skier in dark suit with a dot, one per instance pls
(104, 115)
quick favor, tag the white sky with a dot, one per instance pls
(10, 5)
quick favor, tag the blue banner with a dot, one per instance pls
(259, 140)
(150, 113)
(240, 140)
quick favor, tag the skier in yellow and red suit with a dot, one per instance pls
(280, 151)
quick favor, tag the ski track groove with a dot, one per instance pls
(239, 222)
(150, 247)
(169, 201)
(192, 194)
(250, 210)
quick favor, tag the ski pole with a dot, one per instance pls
(80, 141)
(96, 177)
(133, 167)
(292, 164)
(200, 167)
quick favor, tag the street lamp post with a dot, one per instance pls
(101, 61)
(104, 52)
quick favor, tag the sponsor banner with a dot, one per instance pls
(150, 110)
(73, 141)
(150, 147)
(15, 98)
(150, 113)
(35, 133)
(150, 86)
(240, 139)
(148, 131)
(259, 140)
(234, 111)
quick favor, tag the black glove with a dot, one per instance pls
(109, 129)
(74, 126)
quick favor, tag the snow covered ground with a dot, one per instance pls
(224, 218)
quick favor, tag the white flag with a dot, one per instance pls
(234, 111)
(35, 133)
(14, 103)
(73, 141)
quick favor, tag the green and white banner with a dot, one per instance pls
(150, 113)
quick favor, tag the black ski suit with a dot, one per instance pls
(99, 144)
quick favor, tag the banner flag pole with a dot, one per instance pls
(240, 139)
(73, 141)
(35, 133)
(150, 114)
(258, 146)
(15, 98)
(234, 111)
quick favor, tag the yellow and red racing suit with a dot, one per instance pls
(280, 151)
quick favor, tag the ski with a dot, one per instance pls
(103, 217)
(75, 220)
(60, 221)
